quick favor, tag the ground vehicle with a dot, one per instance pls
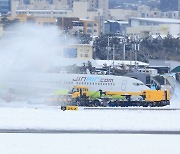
(81, 96)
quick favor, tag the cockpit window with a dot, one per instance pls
(138, 84)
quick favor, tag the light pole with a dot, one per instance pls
(113, 54)
(109, 55)
(124, 49)
(135, 52)
(136, 49)
(108, 49)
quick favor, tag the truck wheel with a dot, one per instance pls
(96, 103)
(151, 104)
(145, 105)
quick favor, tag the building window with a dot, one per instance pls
(89, 31)
(86, 51)
(86, 55)
(89, 24)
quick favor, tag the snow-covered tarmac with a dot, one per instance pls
(88, 144)
(54, 118)
(26, 116)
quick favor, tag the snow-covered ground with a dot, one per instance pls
(21, 115)
(88, 144)
(47, 117)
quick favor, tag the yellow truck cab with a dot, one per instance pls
(79, 91)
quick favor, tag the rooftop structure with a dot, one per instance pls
(153, 26)
(153, 21)
(113, 26)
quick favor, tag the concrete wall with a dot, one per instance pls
(134, 23)
(14, 5)
(104, 5)
(174, 29)
(154, 27)
(148, 30)
(84, 51)
(80, 9)
(122, 14)
(60, 4)
(46, 21)
(46, 13)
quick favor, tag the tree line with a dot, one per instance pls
(167, 48)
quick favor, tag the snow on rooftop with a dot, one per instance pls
(47, 10)
(117, 21)
(95, 63)
(163, 36)
(120, 62)
(84, 19)
(162, 20)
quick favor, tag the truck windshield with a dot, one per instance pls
(75, 90)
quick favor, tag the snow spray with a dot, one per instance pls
(31, 46)
(175, 99)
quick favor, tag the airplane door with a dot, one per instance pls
(123, 85)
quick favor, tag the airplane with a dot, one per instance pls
(28, 83)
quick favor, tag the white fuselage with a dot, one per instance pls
(49, 82)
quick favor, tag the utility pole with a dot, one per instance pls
(124, 49)
(134, 49)
(113, 55)
(108, 49)
(137, 46)
(135, 52)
